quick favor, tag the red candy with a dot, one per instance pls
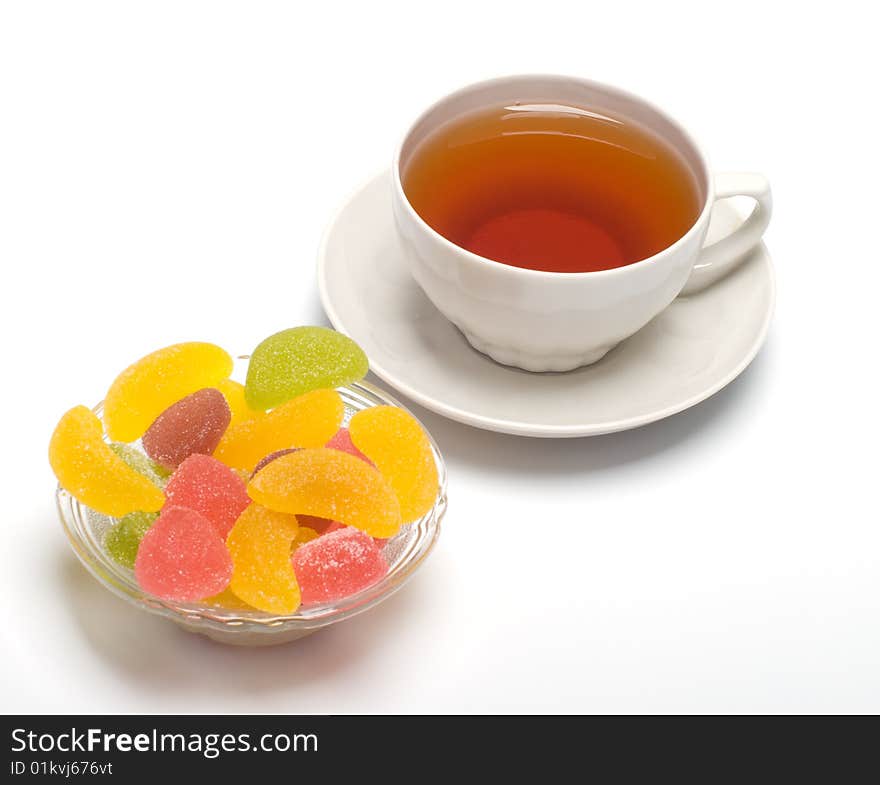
(271, 457)
(337, 564)
(182, 558)
(194, 424)
(209, 487)
(342, 441)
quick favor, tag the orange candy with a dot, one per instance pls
(88, 469)
(262, 574)
(393, 440)
(329, 484)
(233, 392)
(148, 387)
(307, 421)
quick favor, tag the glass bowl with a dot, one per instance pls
(404, 553)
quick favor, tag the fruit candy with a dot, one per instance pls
(141, 463)
(299, 360)
(90, 471)
(271, 457)
(226, 599)
(203, 484)
(393, 439)
(194, 424)
(122, 541)
(233, 392)
(146, 389)
(182, 558)
(320, 525)
(337, 565)
(307, 421)
(329, 484)
(342, 441)
(304, 534)
(262, 573)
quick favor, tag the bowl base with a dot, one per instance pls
(238, 636)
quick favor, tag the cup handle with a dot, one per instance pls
(718, 259)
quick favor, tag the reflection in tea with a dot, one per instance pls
(551, 187)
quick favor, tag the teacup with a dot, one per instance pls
(550, 321)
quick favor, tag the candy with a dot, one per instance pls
(307, 421)
(320, 525)
(182, 558)
(147, 388)
(141, 463)
(209, 487)
(393, 439)
(304, 534)
(90, 471)
(329, 484)
(337, 565)
(299, 360)
(194, 424)
(122, 541)
(271, 457)
(226, 599)
(342, 441)
(233, 392)
(262, 573)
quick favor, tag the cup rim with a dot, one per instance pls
(473, 258)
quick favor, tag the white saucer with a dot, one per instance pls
(690, 351)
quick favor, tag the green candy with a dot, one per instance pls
(296, 361)
(124, 539)
(141, 463)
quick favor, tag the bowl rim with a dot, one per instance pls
(74, 516)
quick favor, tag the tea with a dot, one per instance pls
(552, 187)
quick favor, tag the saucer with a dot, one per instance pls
(687, 353)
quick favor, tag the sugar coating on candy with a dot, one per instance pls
(123, 540)
(93, 473)
(342, 441)
(304, 535)
(233, 392)
(307, 421)
(209, 487)
(262, 573)
(182, 558)
(195, 424)
(337, 565)
(399, 447)
(329, 484)
(141, 463)
(271, 457)
(146, 389)
(298, 360)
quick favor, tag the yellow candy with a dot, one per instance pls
(329, 484)
(304, 535)
(393, 440)
(307, 421)
(262, 573)
(146, 389)
(90, 471)
(233, 392)
(226, 599)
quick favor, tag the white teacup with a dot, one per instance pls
(548, 321)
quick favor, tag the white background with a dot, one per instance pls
(166, 170)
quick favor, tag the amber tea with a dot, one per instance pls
(550, 187)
